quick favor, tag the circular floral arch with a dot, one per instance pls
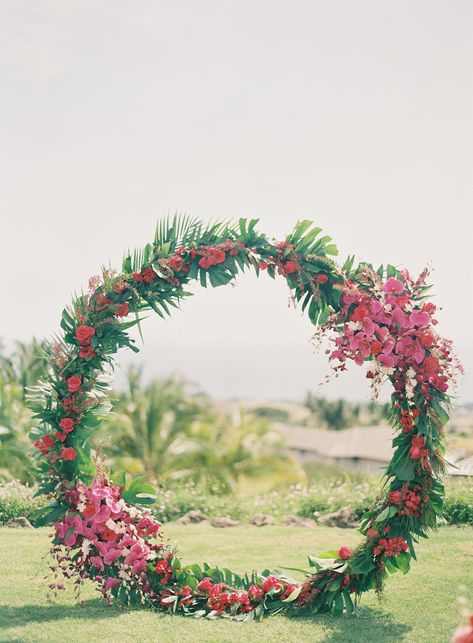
(379, 316)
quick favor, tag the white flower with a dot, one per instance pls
(354, 325)
(86, 546)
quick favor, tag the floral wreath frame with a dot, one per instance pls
(381, 317)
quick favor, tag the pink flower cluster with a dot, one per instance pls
(110, 535)
(386, 325)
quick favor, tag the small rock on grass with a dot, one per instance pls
(192, 518)
(223, 521)
(297, 521)
(22, 522)
(262, 520)
(343, 518)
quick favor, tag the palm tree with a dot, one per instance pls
(165, 431)
(232, 452)
(152, 425)
(24, 368)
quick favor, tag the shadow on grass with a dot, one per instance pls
(18, 616)
(372, 625)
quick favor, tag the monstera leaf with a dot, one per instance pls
(136, 492)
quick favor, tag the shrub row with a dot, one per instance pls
(319, 498)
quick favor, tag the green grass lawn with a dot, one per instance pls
(419, 607)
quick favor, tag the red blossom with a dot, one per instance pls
(344, 553)
(67, 424)
(122, 310)
(69, 453)
(86, 352)
(84, 334)
(74, 383)
(290, 267)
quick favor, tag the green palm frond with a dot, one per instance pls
(181, 229)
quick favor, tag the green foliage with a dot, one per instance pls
(271, 413)
(17, 500)
(19, 371)
(342, 414)
(166, 431)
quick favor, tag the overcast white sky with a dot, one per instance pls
(355, 114)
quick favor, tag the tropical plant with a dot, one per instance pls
(18, 371)
(236, 451)
(151, 425)
(341, 414)
(167, 431)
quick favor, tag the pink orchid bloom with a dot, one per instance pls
(114, 506)
(375, 306)
(138, 550)
(387, 360)
(388, 345)
(367, 326)
(393, 286)
(112, 582)
(111, 556)
(419, 318)
(350, 299)
(398, 316)
(96, 561)
(139, 566)
(103, 515)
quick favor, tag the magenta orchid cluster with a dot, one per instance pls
(379, 317)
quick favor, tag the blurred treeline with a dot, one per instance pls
(166, 430)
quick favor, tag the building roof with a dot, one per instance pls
(367, 442)
(362, 442)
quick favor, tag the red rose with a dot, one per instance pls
(234, 252)
(204, 263)
(73, 383)
(344, 553)
(395, 497)
(255, 593)
(68, 453)
(205, 584)
(359, 313)
(148, 275)
(418, 441)
(270, 582)
(61, 436)
(321, 278)
(431, 364)
(89, 510)
(122, 310)
(215, 591)
(162, 566)
(426, 339)
(66, 424)
(263, 265)
(45, 443)
(290, 267)
(376, 347)
(372, 533)
(186, 594)
(176, 262)
(108, 534)
(86, 352)
(84, 334)
(120, 286)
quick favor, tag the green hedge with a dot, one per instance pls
(319, 498)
